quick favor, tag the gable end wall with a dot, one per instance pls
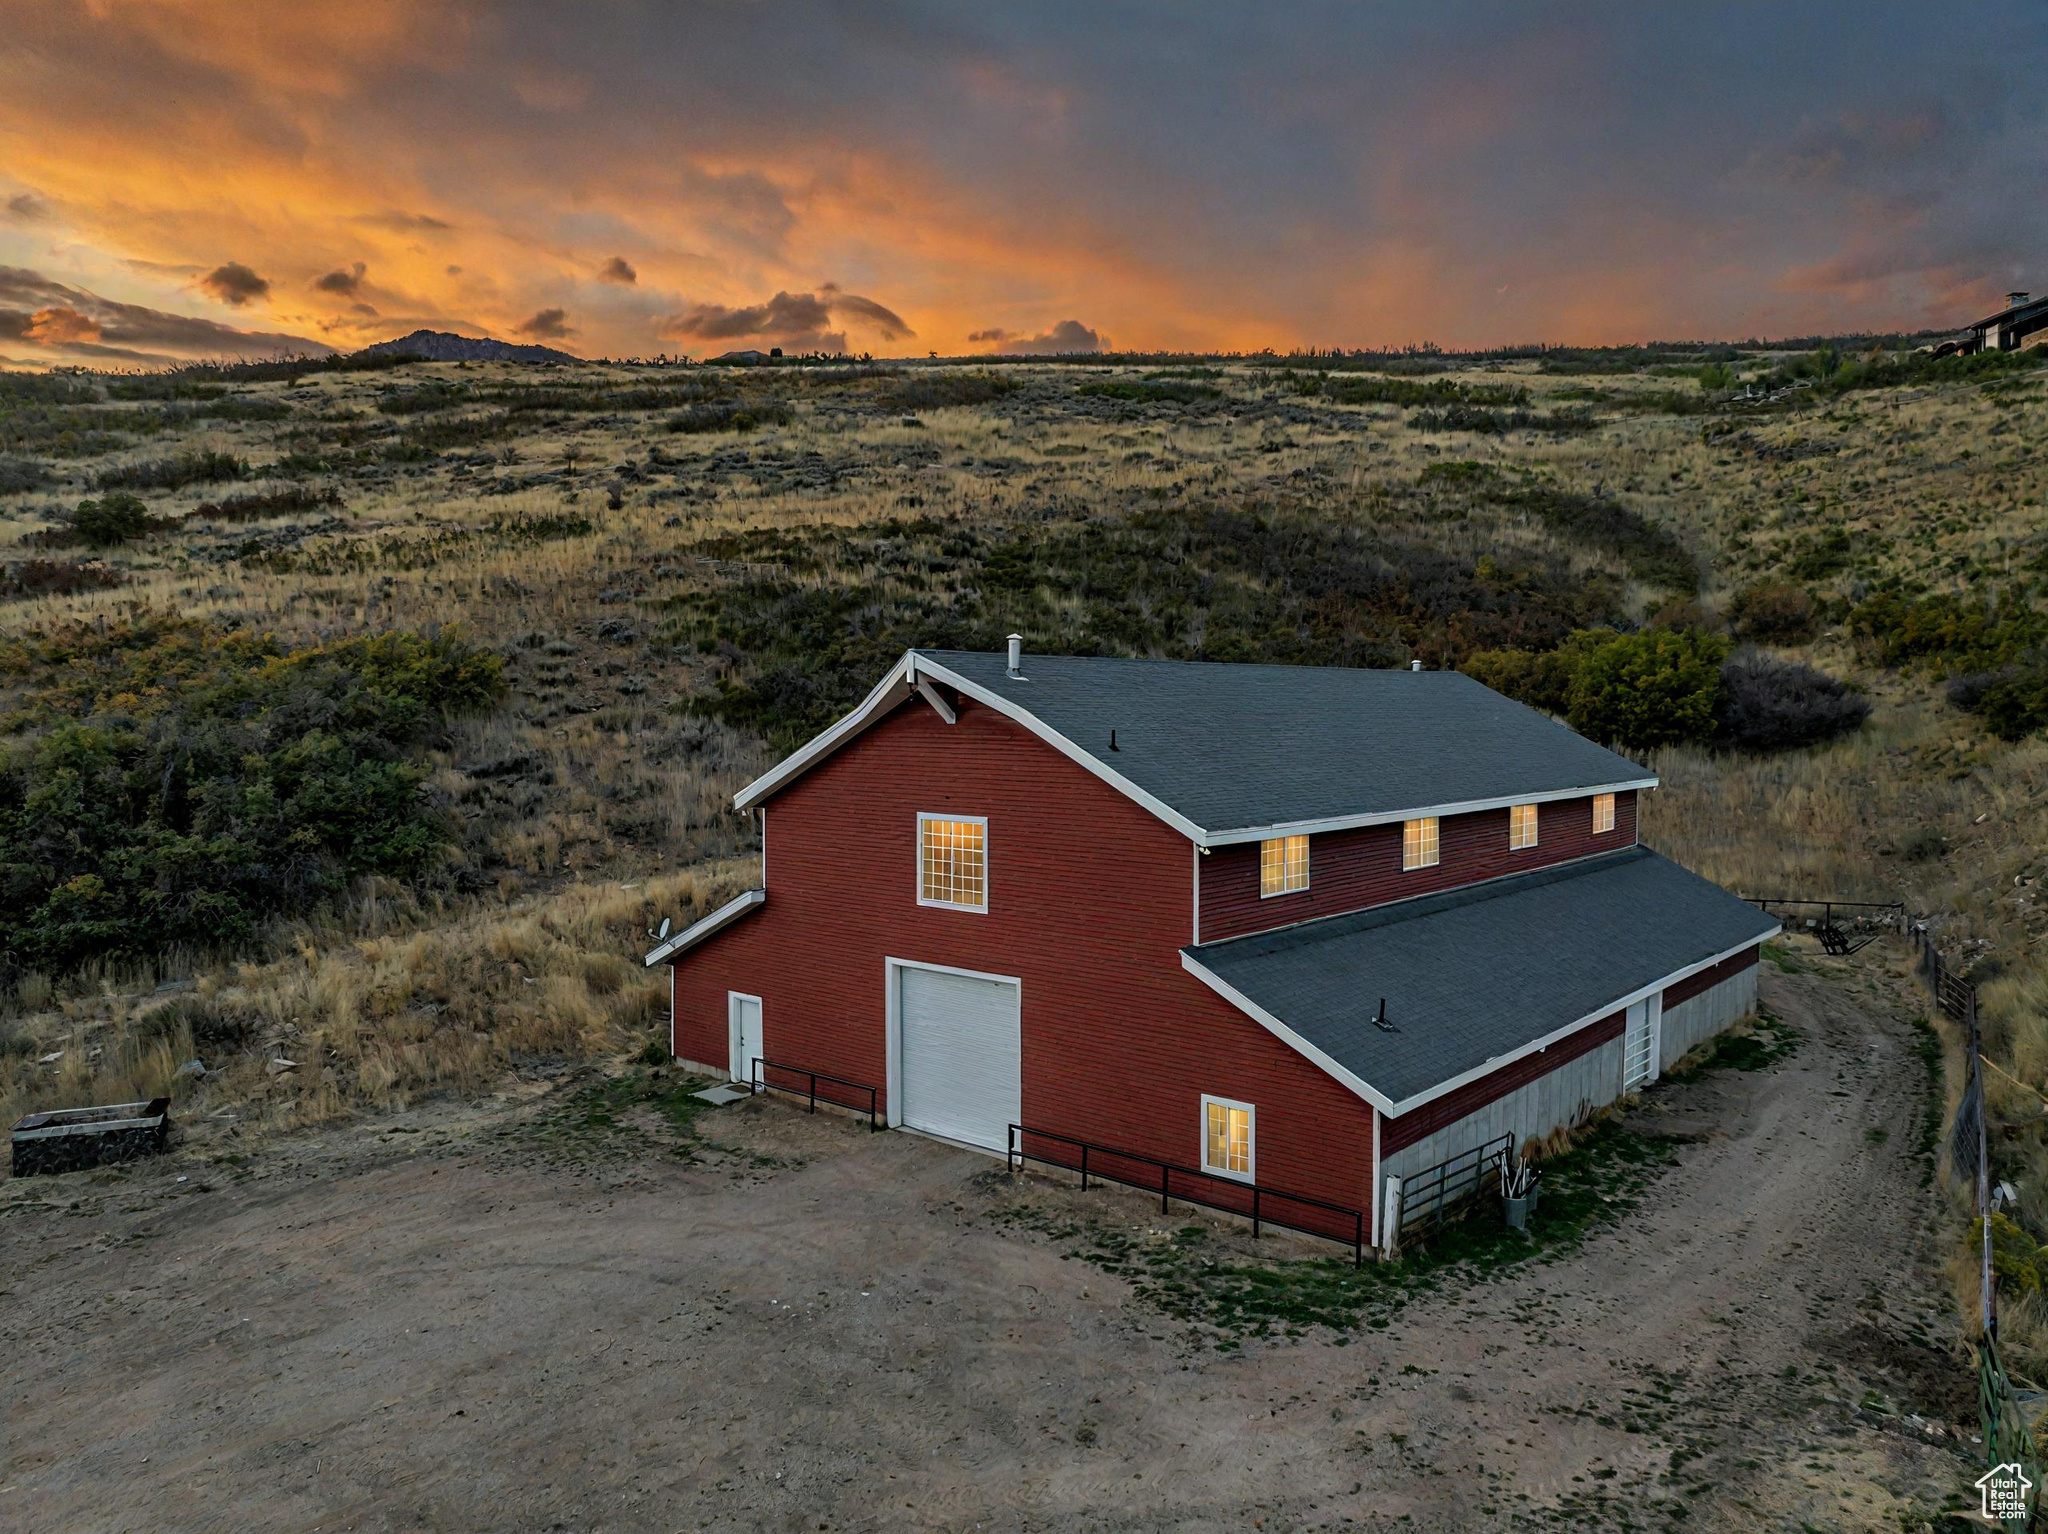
(1089, 904)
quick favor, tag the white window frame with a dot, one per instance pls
(1603, 802)
(1251, 1139)
(1436, 846)
(1535, 826)
(917, 851)
(1307, 867)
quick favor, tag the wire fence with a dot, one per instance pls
(2008, 1437)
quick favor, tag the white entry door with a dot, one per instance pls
(746, 1034)
(1639, 1043)
(959, 1054)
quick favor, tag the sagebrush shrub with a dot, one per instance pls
(1775, 705)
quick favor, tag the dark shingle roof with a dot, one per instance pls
(1477, 973)
(1234, 746)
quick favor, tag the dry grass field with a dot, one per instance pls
(670, 575)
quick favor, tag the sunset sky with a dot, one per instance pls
(186, 178)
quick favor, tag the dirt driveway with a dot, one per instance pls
(820, 1329)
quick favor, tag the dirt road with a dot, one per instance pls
(821, 1329)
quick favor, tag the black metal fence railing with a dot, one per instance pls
(1434, 1194)
(1170, 1181)
(2007, 1437)
(1843, 926)
(758, 1081)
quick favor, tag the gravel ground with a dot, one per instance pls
(503, 1319)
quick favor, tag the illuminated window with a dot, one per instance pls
(1603, 813)
(1283, 865)
(1521, 827)
(952, 862)
(1418, 843)
(1227, 1137)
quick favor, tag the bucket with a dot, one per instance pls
(1518, 1210)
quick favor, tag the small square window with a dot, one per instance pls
(1521, 827)
(1418, 843)
(1227, 1138)
(952, 862)
(1283, 865)
(1603, 813)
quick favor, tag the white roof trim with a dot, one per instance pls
(912, 672)
(887, 693)
(1394, 1110)
(697, 931)
(1123, 785)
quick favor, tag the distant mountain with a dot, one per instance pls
(446, 346)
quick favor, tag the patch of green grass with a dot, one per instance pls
(1225, 1299)
(1768, 1040)
(642, 1109)
(1784, 958)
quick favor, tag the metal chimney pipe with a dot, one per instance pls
(1017, 656)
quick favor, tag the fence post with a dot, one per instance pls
(1390, 1221)
(1990, 1296)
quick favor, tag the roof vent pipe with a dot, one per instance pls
(1017, 656)
(1415, 665)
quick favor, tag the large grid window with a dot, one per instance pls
(1603, 813)
(1227, 1138)
(952, 862)
(1521, 826)
(1418, 843)
(1283, 865)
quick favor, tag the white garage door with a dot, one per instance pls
(962, 1060)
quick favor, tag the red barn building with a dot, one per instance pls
(1306, 929)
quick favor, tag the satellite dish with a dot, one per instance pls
(664, 929)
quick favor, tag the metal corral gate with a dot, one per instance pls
(1435, 1194)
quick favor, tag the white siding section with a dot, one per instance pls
(1691, 1023)
(1563, 1096)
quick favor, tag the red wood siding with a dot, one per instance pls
(1395, 1134)
(1707, 979)
(1350, 870)
(1090, 901)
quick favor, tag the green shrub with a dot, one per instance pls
(2012, 699)
(192, 783)
(1656, 688)
(116, 517)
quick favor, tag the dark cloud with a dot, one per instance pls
(403, 223)
(1066, 336)
(548, 325)
(887, 321)
(793, 321)
(235, 284)
(995, 333)
(27, 207)
(618, 270)
(343, 282)
(72, 320)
